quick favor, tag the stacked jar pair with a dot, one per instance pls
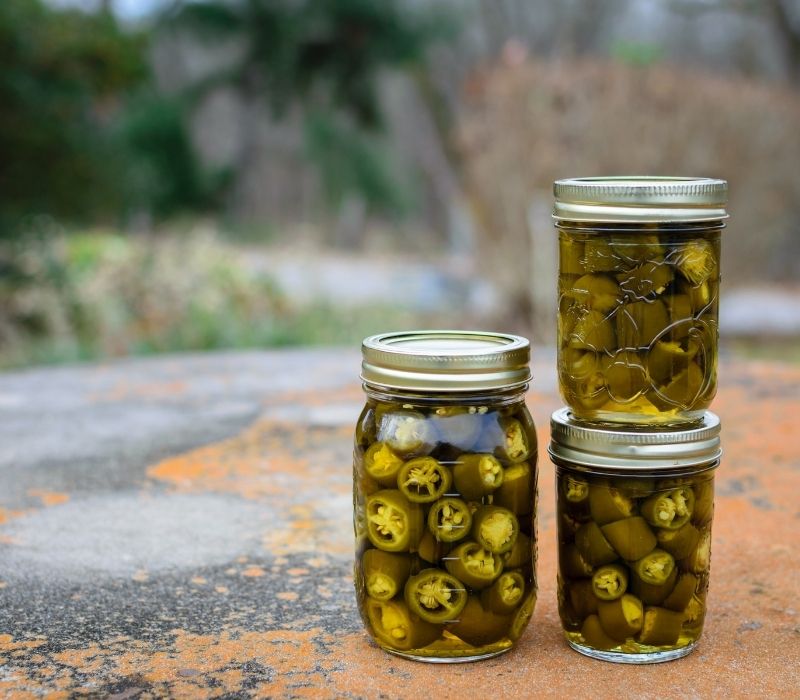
(635, 449)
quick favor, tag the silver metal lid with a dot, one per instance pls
(630, 448)
(640, 199)
(447, 361)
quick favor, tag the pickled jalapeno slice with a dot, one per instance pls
(385, 573)
(575, 490)
(696, 261)
(679, 543)
(423, 480)
(476, 475)
(646, 281)
(621, 618)
(394, 524)
(631, 538)
(474, 565)
(582, 598)
(521, 553)
(594, 634)
(435, 595)
(573, 564)
(514, 445)
(683, 592)
(595, 291)
(495, 529)
(382, 464)
(593, 331)
(654, 593)
(656, 567)
(660, 626)
(609, 582)
(593, 545)
(699, 559)
(449, 519)
(522, 616)
(515, 489)
(478, 626)
(669, 510)
(394, 625)
(406, 432)
(607, 504)
(504, 594)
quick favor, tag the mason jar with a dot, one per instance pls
(634, 511)
(638, 296)
(444, 494)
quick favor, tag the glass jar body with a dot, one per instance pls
(444, 496)
(634, 560)
(638, 320)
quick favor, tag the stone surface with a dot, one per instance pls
(181, 526)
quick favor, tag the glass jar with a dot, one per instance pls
(634, 537)
(444, 494)
(638, 292)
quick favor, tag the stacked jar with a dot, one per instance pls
(444, 494)
(635, 449)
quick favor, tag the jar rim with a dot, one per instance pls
(640, 198)
(445, 360)
(633, 448)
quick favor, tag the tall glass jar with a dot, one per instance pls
(634, 537)
(444, 494)
(638, 292)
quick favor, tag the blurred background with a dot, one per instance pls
(254, 173)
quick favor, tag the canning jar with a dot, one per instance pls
(634, 536)
(638, 290)
(444, 494)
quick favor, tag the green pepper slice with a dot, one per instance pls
(640, 323)
(516, 489)
(609, 582)
(478, 626)
(521, 553)
(696, 261)
(679, 543)
(631, 538)
(595, 636)
(424, 479)
(598, 256)
(700, 558)
(435, 595)
(621, 618)
(449, 519)
(513, 445)
(431, 550)
(655, 568)
(476, 475)
(394, 625)
(682, 391)
(594, 291)
(593, 545)
(474, 565)
(382, 464)
(682, 594)
(572, 564)
(661, 627)
(570, 256)
(385, 573)
(575, 490)
(592, 331)
(495, 528)
(669, 510)
(625, 376)
(669, 358)
(407, 432)
(703, 502)
(522, 616)
(654, 593)
(394, 524)
(635, 247)
(582, 597)
(646, 281)
(504, 594)
(608, 504)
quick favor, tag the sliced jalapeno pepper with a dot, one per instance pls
(521, 553)
(636, 247)
(385, 573)
(655, 567)
(516, 489)
(598, 256)
(382, 464)
(435, 595)
(679, 543)
(449, 519)
(423, 480)
(495, 528)
(394, 524)
(654, 593)
(582, 597)
(572, 564)
(504, 594)
(668, 358)
(625, 376)
(476, 475)
(431, 550)
(478, 626)
(660, 626)
(513, 445)
(609, 582)
(395, 626)
(595, 291)
(699, 559)
(570, 256)
(669, 510)
(594, 635)
(592, 331)
(473, 565)
(632, 538)
(575, 490)
(696, 261)
(682, 391)
(640, 323)
(593, 545)
(522, 616)
(645, 281)
(682, 594)
(703, 502)
(607, 504)
(406, 432)
(621, 618)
